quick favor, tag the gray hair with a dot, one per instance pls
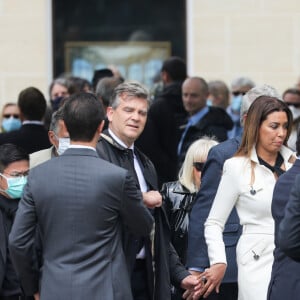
(56, 116)
(60, 81)
(129, 89)
(253, 94)
(105, 88)
(242, 82)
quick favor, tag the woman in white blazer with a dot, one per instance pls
(247, 183)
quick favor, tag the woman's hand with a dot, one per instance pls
(211, 278)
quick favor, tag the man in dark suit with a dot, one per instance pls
(289, 228)
(32, 136)
(160, 138)
(153, 262)
(197, 257)
(79, 203)
(285, 271)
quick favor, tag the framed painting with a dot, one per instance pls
(139, 61)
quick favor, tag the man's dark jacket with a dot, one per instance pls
(285, 277)
(161, 135)
(215, 123)
(166, 261)
(30, 137)
(197, 255)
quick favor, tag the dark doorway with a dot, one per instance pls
(108, 21)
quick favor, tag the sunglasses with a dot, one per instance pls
(237, 93)
(15, 116)
(198, 166)
(297, 105)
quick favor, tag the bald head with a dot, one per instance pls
(194, 94)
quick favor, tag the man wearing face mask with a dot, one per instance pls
(239, 87)
(14, 164)
(292, 98)
(58, 137)
(10, 117)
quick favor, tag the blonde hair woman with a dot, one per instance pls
(179, 196)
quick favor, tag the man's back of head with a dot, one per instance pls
(105, 88)
(173, 69)
(82, 115)
(253, 94)
(32, 104)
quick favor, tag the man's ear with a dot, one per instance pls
(52, 138)
(109, 113)
(100, 127)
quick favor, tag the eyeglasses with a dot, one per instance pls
(237, 93)
(198, 166)
(17, 174)
(297, 105)
(15, 116)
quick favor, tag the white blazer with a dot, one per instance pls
(251, 194)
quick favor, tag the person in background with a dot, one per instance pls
(292, 98)
(285, 271)
(10, 117)
(218, 94)
(203, 120)
(239, 87)
(32, 136)
(197, 256)
(247, 183)
(178, 198)
(161, 135)
(14, 165)
(59, 89)
(105, 88)
(99, 74)
(58, 137)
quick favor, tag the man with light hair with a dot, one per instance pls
(197, 257)
(239, 87)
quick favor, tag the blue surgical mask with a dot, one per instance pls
(10, 124)
(209, 102)
(236, 103)
(63, 145)
(15, 186)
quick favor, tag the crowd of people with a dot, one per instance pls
(110, 192)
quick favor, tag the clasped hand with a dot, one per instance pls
(209, 280)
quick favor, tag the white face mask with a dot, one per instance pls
(63, 145)
(295, 112)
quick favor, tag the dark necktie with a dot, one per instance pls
(130, 166)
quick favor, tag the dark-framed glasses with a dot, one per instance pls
(198, 166)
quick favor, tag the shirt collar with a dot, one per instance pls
(81, 147)
(32, 122)
(120, 142)
(194, 119)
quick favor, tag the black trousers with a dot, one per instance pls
(139, 281)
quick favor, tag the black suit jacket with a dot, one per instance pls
(30, 137)
(285, 276)
(289, 228)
